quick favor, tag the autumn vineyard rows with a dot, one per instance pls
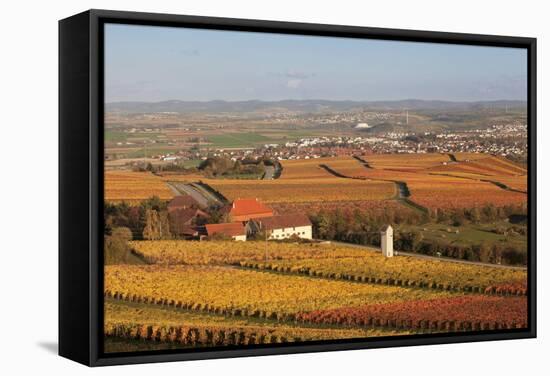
(338, 262)
(434, 181)
(303, 292)
(221, 293)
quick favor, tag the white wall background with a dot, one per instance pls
(28, 185)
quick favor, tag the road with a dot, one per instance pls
(184, 188)
(432, 258)
(209, 193)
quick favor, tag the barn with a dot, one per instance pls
(234, 230)
(282, 226)
(244, 209)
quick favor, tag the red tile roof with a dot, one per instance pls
(229, 229)
(283, 221)
(243, 209)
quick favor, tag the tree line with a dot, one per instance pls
(363, 227)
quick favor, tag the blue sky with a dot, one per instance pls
(148, 63)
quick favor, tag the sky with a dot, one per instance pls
(152, 63)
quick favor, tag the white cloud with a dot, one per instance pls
(294, 83)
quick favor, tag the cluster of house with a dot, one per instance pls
(245, 218)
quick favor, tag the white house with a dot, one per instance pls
(282, 226)
(362, 126)
(386, 241)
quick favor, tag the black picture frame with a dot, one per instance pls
(81, 183)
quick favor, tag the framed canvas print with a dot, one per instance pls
(236, 187)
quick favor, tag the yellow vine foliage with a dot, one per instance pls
(410, 270)
(121, 314)
(226, 252)
(228, 290)
(133, 187)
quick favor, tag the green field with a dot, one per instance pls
(121, 136)
(253, 139)
(469, 234)
(115, 136)
(238, 140)
(148, 152)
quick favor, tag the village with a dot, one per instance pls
(506, 140)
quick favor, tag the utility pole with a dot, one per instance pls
(265, 245)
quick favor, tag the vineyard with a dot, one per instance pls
(406, 271)
(188, 328)
(134, 186)
(406, 162)
(186, 293)
(247, 293)
(330, 188)
(222, 293)
(336, 262)
(372, 206)
(446, 314)
(434, 181)
(219, 252)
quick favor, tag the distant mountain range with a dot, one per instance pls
(306, 106)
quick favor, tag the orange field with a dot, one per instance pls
(305, 190)
(489, 166)
(305, 169)
(304, 181)
(347, 166)
(134, 186)
(373, 207)
(434, 181)
(407, 162)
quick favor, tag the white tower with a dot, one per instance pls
(386, 241)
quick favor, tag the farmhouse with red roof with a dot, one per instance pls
(234, 230)
(244, 209)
